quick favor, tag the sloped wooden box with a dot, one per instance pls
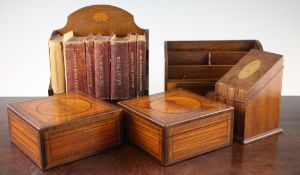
(198, 65)
(253, 88)
(88, 20)
(177, 125)
(62, 128)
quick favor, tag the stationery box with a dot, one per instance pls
(253, 88)
(198, 65)
(176, 125)
(62, 128)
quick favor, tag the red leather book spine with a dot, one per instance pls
(141, 68)
(90, 67)
(132, 68)
(102, 70)
(75, 65)
(119, 71)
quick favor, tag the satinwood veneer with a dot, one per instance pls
(177, 125)
(62, 128)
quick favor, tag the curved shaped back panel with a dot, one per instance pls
(102, 19)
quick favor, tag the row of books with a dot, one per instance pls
(106, 67)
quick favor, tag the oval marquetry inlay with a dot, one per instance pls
(175, 104)
(63, 107)
(249, 69)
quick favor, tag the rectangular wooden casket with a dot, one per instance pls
(55, 130)
(177, 125)
(253, 88)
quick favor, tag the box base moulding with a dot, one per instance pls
(258, 137)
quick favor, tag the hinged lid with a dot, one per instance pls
(251, 74)
(61, 109)
(174, 107)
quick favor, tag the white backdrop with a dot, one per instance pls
(26, 26)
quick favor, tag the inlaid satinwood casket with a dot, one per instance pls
(62, 128)
(253, 88)
(177, 125)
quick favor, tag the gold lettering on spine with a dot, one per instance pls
(140, 70)
(101, 69)
(75, 68)
(132, 69)
(90, 68)
(119, 73)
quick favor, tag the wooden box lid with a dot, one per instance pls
(251, 74)
(61, 109)
(173, 107)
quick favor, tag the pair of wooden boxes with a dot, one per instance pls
(171, 126)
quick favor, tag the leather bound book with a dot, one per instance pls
(90, 64)
(253, 88)
(119, 68)
(57, 68)
(132, 50)
(102, 67)
(141, 65)
(75, 64)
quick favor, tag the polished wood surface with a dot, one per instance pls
(60, 109)
(63, 128)
(173, 107)
(197, 65)
(198, 137)
(275, 155)
(253, 87)
(249, 75)
(105, 20)
(25, 137)
(146, 135)
(176, 125)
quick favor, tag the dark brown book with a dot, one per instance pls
(119, 68)
(90, 64)
(141, 65)
(102, 67)
(132, 50)
(75, 64)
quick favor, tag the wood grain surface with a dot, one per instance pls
(253, 87)
(173, 107)
(198, 61)
(175, 125)
(63, 128)
(275, 155)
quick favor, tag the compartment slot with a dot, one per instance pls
(197, 71)
(225, 58)
(196, 57)
(184, 57)
(214, 45)
(197, 86)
